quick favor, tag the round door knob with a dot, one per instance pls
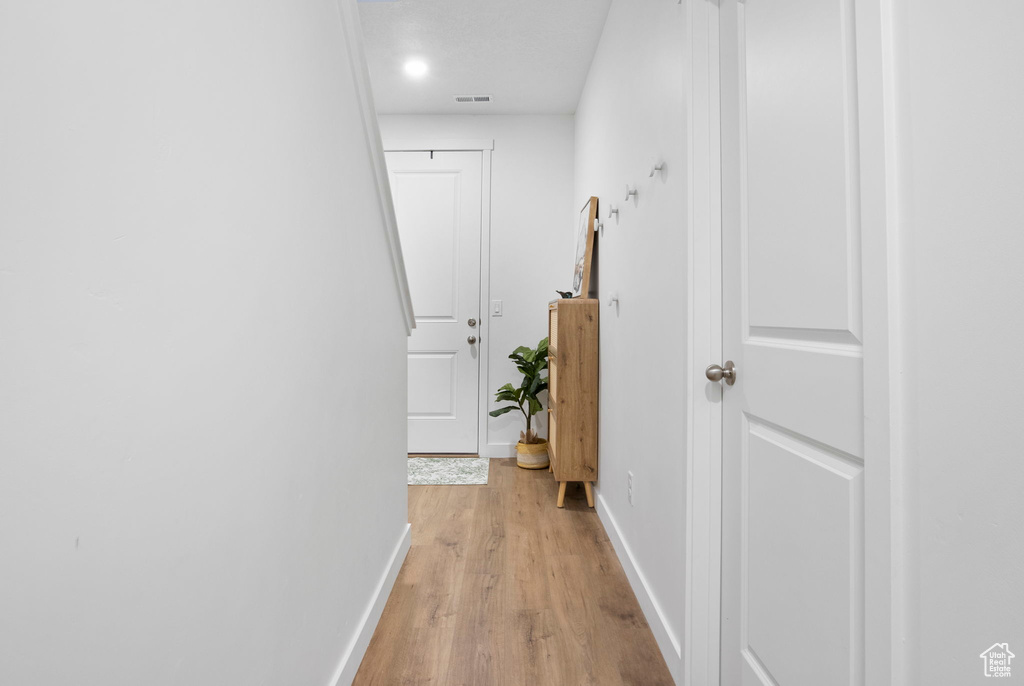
(471, 340)
(472, 322)
(716, 373)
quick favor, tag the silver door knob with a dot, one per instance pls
(471, 340)
(716, 373)
(472, 322)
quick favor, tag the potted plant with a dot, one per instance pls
(531, 451)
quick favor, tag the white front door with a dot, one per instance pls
(793, 608)
(437, 200)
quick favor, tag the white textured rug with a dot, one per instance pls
(454, 471)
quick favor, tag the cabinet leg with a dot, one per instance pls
(589, 488)
(561, 493)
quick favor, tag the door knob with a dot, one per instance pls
(716, 373)
(471, 340)
(472, 322)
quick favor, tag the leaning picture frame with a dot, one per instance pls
(584, 249)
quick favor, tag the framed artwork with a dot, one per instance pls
(584, 249)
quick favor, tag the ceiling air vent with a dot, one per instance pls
(472, 98)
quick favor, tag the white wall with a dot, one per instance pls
(202, 474)
(532, 240)
(959, 145)
(633, 109)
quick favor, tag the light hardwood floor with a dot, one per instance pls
(501, 587)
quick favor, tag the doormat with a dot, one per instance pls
(447, 471)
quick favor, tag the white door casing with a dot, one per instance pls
(438, 204)
(793, 447)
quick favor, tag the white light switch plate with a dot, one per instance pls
(495, 308)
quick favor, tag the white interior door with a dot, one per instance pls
(793, 457)
(437, 200)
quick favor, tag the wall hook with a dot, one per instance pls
(655, 168)
(599, 228)
(630, 192)
(612, 209)
(613, 300)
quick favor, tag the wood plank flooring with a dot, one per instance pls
(501, 587)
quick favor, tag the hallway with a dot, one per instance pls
(501, 587)
(254, 254)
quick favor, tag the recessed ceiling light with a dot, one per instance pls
(416, 69)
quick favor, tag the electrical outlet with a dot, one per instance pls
(629, 486)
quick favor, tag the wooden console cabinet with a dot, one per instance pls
(572, 393)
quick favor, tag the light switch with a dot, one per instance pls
(495, 308)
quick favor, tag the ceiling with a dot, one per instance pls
(532, 56)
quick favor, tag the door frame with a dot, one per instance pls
(485, 146)
(879, 184)
(700, 652)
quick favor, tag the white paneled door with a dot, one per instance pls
(438, 205)
(793, 433)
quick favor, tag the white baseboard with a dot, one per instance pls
(668, 643)
(346, 671)
(498, 450)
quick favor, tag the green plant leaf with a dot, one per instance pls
(531, 363)
(506, 393)
(534, 385)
